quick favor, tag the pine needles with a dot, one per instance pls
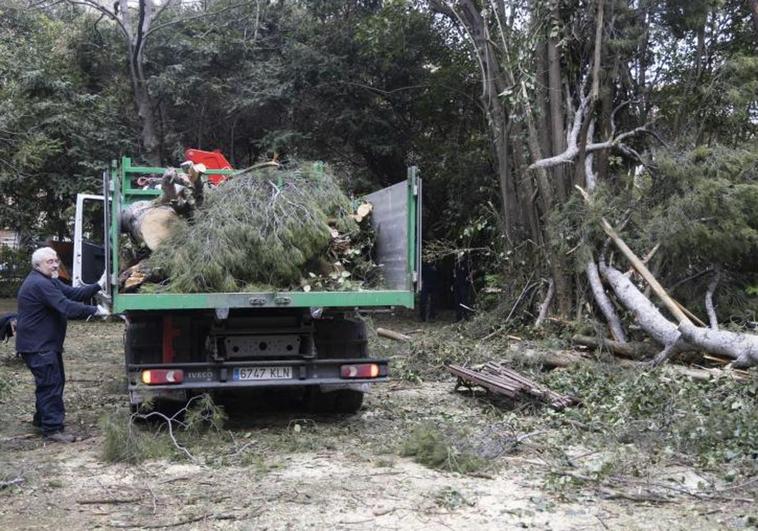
(265, 228)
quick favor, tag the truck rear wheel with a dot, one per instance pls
(348, 400)
(339, 401)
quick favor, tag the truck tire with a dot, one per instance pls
(345, 401)
(348, 400)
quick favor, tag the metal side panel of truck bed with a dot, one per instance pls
(396, 219)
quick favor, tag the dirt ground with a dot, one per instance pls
(280, 468)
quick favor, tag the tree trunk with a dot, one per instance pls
(529, 209)
(604, 303)
(555, 97)
(149, 223)
(754, 12)
(710, 309)
(742, 348)
(645, 313)
(541, 96)
(633, 351)
(149, 138)
(545, 306)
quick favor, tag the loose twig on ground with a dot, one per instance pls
(6, 484)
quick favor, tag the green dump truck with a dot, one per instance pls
(180, 344)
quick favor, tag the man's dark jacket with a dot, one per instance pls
(44, 306)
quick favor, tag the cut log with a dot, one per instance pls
(362, 211)
(148, 222)
(633, 350)
(742, 348)
(133, 277)
(391, 334)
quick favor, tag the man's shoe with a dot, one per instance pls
(59, 436)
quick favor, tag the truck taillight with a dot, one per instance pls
(360, 370)
(162, 376)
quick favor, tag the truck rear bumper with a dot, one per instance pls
(251, 374)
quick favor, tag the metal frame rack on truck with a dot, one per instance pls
(178, 344)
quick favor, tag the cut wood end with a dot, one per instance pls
(157, 225)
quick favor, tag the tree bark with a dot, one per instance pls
(470, 18)
(645, 313)
(710, 309)
(555, 97)
(604, 303)
(149, 222)
(754, 12)
(527, 193)
(742, 348)
(545, 306)
(634, 351)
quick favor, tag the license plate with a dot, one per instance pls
(262, 373)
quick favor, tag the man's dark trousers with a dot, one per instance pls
(49, 377)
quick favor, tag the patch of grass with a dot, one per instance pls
(130, 442)
(451, 499)
(114, 386)
(127, 442)
(430, 447)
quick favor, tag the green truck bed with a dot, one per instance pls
(396, 219)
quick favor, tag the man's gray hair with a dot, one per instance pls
(42, 254)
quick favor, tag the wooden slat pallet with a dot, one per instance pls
(505, 381)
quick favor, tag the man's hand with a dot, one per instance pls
(102, 298)
(102, 311)
(103, 281)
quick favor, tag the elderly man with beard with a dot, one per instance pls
(44, 305)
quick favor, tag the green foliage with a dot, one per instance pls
(708, 210)
(700, 206)
(430, 447)
(14, 264)
(712, 422)
(126, 442)
(203, 415)
(268, 227)
(134, 438)
(57, 131)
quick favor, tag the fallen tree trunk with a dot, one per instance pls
(148, 222)
(742, 348)
(634, 350)
(567, 358)
(391, 334)
(645, 313)
(604, 303)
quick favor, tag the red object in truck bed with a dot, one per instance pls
(213, 160)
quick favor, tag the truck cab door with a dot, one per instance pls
(89, 240)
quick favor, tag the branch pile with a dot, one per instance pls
(676, 336)
(283, 227)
